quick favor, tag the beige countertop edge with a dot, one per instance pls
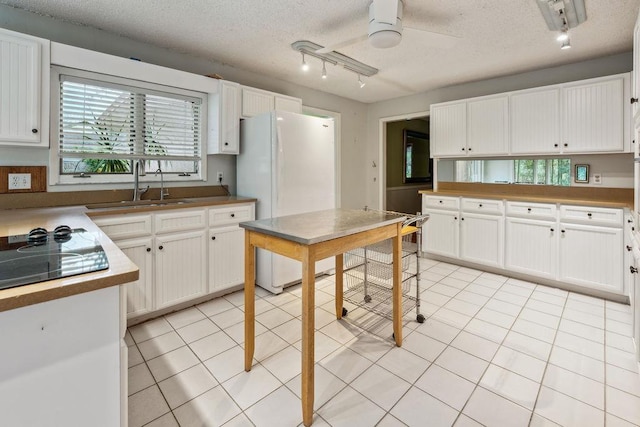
(536, 199)
(197, 202)
(121, 269)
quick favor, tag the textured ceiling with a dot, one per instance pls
(495, 37)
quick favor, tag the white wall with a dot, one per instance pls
(354, 114)
(413, 104)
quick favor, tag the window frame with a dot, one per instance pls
(57, 178)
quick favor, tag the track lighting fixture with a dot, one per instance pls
(563, 36)
(324, 70)
(305, 66)
(361, 82)
(566, 44)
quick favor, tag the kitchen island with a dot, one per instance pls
(307, 238)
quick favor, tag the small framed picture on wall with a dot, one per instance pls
(582, 174)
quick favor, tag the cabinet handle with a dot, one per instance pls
(463, 148)
(480, 205)
(528, 209)
(469, 149)
(633, 269)
(233, 215)
(439, 201)
(552, 230)
(566, 145)
(589, 214)
(634, 100)
(555, 145)
(226, 143)
(213, 237)
(629, 248)
(562, 231)
(629, 221)
(161, 247)
(462, 219)
(34, 130)
(455, 217)
(148, 249)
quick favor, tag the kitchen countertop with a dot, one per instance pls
(603, 197)
(121, 270)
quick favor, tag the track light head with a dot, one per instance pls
(305, 66)
(361, 82)
(324, 70)
(566, 44)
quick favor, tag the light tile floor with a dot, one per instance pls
(493, 351)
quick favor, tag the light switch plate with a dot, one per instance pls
(19, 181)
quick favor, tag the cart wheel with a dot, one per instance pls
(420, 318)
(367, 298)
(344, 311)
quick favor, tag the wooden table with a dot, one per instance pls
(307, 238)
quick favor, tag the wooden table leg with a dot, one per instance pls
(339, 285)
(308, 329)
(397, 286)
(249, 300)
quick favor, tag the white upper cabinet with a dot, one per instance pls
(448, 129)
(534, 121)
(589, 116)
(258, 101)
(224, 119)
(594, 115)
(488, 126)
(24, 89)
(635, 89)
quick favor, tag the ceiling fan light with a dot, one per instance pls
(385, 39)
(305, 66)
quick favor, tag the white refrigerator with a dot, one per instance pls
(287, 162)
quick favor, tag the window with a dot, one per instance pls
(543, 171)
(106, 123)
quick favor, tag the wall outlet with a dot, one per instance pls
(220, 176)
(19, 181)
(597, 178)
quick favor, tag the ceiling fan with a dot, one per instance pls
(385, 29)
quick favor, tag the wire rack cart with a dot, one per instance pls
(368, 271)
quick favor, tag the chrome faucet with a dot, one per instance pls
(137, 191)
(162, 190)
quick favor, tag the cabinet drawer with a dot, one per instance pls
(230, 215)
(532, 210)
(434, 202)
(591, 215)
(487, 206)
(123, 227)
(180, 219)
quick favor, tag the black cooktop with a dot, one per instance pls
(44, 255)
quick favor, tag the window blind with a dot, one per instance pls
(104, 120)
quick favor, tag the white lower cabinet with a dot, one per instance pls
(180, 267)
(577, 245)
(226, 257)
(591, 256)
(481, 238)
(139, 293)
(440, 233)
(182, 254)
(531, 247)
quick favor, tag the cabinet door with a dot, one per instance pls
(255, 101)
(287, 103)
(635, 89)
(481, 239)
(23, 106)
(180, 267)
(534, 121)
(440, 233)
(140, 292)
(229, 119)
(531, 247)
(488, 126)
(594, 116)
(591, 256)
(226, 257)
(448, 129)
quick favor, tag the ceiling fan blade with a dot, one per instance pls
(342, 44)
(385, 11)
(434, 39)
